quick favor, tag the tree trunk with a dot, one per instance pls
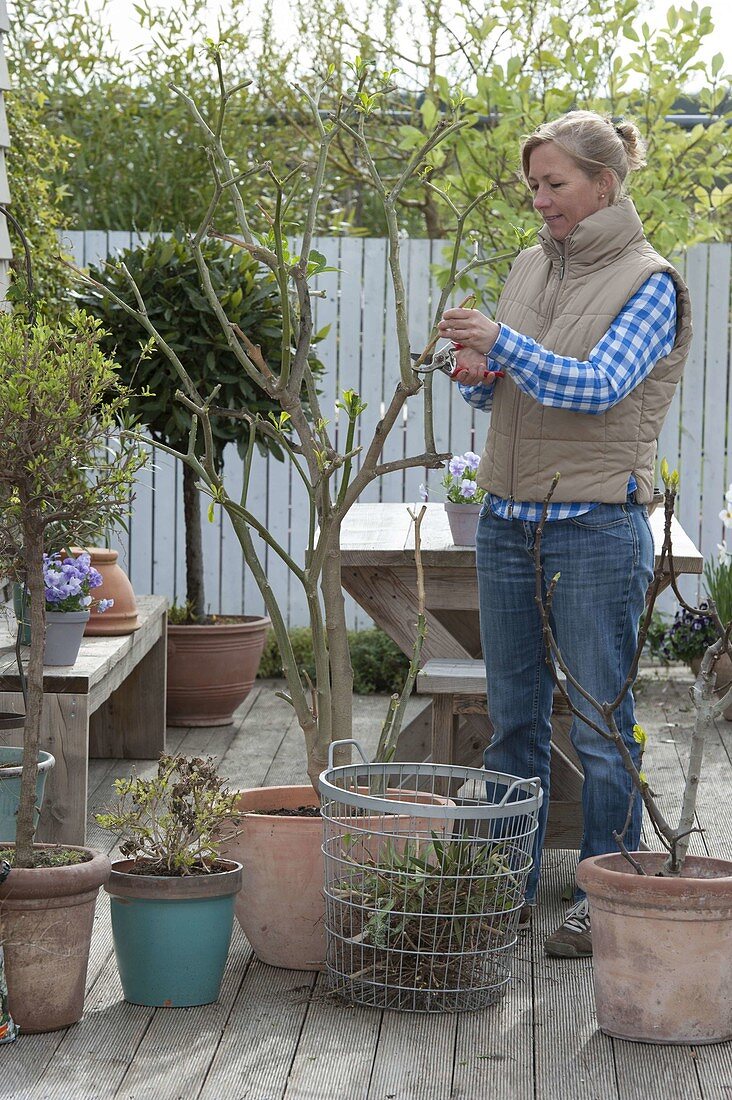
(25, 824)
(195, 595)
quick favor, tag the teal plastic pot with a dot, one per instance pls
(25, 636)
(172, 935)
(10, 770)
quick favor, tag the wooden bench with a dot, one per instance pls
(458, 687)
(111, 703)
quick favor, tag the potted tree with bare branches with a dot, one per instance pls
(661, 921)
(333, 477)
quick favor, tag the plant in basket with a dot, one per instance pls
(661, 922)
(172, 892)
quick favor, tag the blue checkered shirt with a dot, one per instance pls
(642, 333)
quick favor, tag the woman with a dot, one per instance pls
(592, 331)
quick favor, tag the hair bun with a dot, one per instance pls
(635, 146)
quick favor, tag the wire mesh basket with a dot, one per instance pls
(425, 870)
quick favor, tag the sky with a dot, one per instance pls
(124, 29)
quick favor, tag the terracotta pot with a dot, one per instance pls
(122, 618)
(211, 669)
(46, 914)
(463, 520)
(281, 908)
(662, 948)
(723, 669)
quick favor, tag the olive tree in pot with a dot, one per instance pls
(661, 923)
(274, 847)
(212, 659)
(59, 480)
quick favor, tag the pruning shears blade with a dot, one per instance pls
(442, 360)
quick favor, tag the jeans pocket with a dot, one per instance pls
(601, 517)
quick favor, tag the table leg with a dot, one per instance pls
(131, 723)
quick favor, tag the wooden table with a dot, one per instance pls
(379, 571)
(110, 703)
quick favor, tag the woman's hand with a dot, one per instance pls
(469, 327)
(470, 369)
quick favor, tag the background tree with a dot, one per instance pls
(166, 274)
(501, 69)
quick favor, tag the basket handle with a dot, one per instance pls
(346, 741)
(536, 785)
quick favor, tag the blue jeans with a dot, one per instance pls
(605, 558)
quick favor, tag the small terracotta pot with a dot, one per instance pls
(122, 618)
(46, 915)
(211, 669)
(281, 908)
(662, 948)
(723, 669)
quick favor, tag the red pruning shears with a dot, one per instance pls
(444, 360)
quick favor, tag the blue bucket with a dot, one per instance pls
(172, 948)
(12, 757)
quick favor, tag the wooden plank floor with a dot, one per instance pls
(275, 1034)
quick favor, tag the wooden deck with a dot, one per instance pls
(275, 1035)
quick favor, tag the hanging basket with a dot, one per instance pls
(423, 893)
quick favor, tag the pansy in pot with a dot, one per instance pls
(459, 479)
(68, 582)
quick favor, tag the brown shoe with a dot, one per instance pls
(525, 916)
(574, 939)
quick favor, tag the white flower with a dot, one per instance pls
(724, 555)
(726, 517)
(728, 495)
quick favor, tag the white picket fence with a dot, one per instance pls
(360, 353)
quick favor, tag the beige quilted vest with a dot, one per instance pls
(566, 299)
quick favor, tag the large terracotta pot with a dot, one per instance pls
(211, 669)
(46, 915)
(662, 948)
(723, 669)
(122, 618)
(281, 908)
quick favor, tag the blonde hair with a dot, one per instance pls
(595, 143)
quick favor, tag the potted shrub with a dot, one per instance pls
(59, 480)
(661, 922)
(333, 476)
(172, 895)
(212, 659)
